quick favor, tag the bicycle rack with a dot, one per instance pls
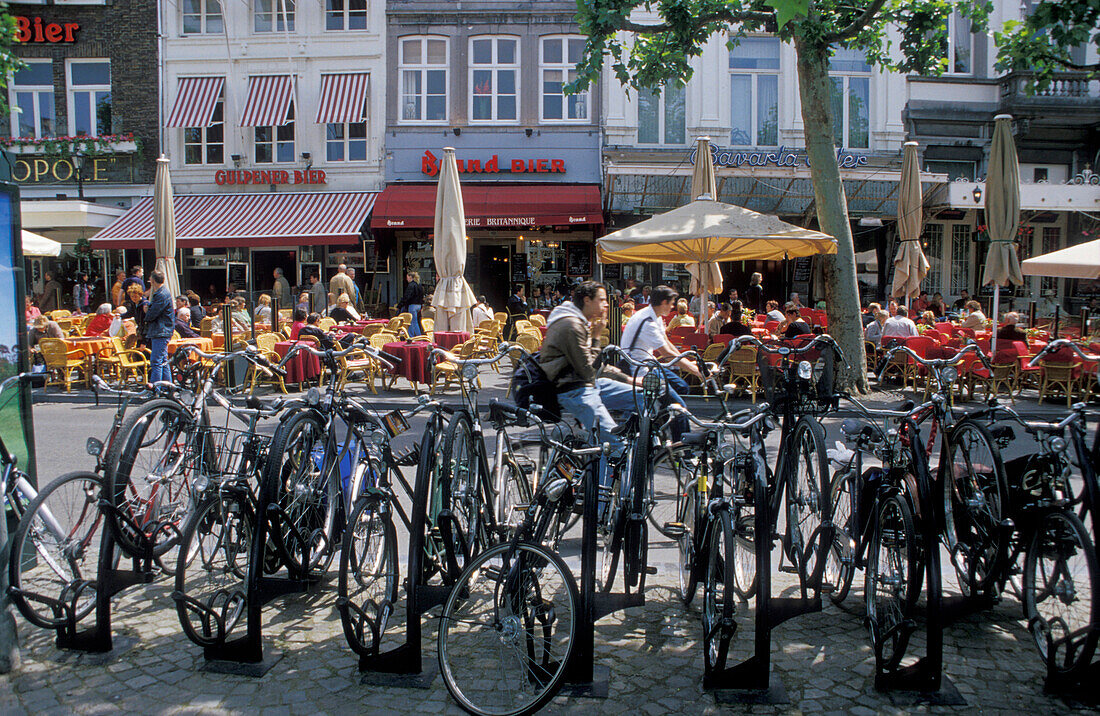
(1078, 691)
(110, 581)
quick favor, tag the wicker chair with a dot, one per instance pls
(537, 319)
(427, 324)
(361, 363)
(132, 364)
(1069, 378)
(265, 344)
(63, 364)
(447, 370)
(326, 324)
(744, 373)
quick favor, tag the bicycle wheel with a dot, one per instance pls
(612, 526)
(1060, 592)
(367, 588)
(975, 493)
(212, 567)
(891, 580)
(506, 631)
(515, 495)
(55, 552)
(718, 593)
(807, 499)
(744, 534)
(692, 519)
(462, 486)
(298, 470)
(636, 535)
(152, 466)
(840, 559)
(670, 478)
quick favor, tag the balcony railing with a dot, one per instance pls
(1069, 87)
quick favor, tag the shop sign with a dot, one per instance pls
(430, 164)
(33, 169)
(33, 30)
(782, 157)
(238, 177)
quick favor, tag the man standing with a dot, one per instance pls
(318, 292)
(135, 277)
(281, 289)
(355, 285)
(117, 294)
(159, 324)
(412, 301)
(51, 294)
(644, 337)
(341, 283)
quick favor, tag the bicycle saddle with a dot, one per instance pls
(852, 427)
(693, 439)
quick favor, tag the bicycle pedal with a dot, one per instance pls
(788, 569)
(675, 529)
(408, 458)
(650, 569)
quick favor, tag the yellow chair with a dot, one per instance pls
(1069, 378)
(520, 325)
(206, 327)
(326, 323)
(447, 370)
(500, 317)
(359, 362)
(131, 363)
(744, 373)
(485, 325)
(59, 313)
(265, 344)
(62, 364)
(381, 338)
(537, 319)
(405, 318)
(427, 324)
(529, 341)
(371, 329)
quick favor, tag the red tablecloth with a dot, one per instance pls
(542, 330)
(449, 339)
(358, 326)
(304, 366)
(414, 360)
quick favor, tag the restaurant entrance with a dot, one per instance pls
(493, 269)
(264, 264)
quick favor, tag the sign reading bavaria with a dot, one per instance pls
(781, 157)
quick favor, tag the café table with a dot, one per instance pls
(449, 339)
(415, 364)
(303, 367)
(206, 345)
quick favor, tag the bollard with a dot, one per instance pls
(274, 314)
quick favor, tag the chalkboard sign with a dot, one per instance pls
(578, 258)
(519, 268)
(373, 262)
(803, 268)
(238, 276)
(308, 270)
(613, 272)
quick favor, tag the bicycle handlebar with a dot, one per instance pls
(36, 380)
(390, 361)
(1058, 345)
(503, 350)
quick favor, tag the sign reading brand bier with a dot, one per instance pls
(429, 164)
(238, 177)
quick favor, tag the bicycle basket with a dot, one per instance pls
(231, 453)
(788, 385)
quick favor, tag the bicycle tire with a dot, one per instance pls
(54, 560)
(529, 599)
(462, 480)
(744, 534)
(306, 498)
(612, 527)
(636, 536)
(669, 488)
(1055, 601)
(515, 496)
(149, 479)
(211, 587)
(718, 593)
(693, 520)
(840, 560)
(369, 575)
(974, 498)
(891, 579)
(807, 500)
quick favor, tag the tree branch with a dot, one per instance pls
(1072, 65)
(701, 21)
(858, 24)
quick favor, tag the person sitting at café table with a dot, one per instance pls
(101, 321)
(1010, 331)
(298, 319)
(263, 309)
(682, 317)
(31, 310)
(937, 305)
(928, 319)
(920, 303)
(720, 318)
(792, 324)
(327, 340)
(481, 312)
(774, 314)
(136, 304)
(344, 313)
(240, 314)
(899, 325)
(964, 298)
(327, 310)
(734, 326)
(873, 332)
(869, 315)
(182, 325)
(44, 328)
(976, 320)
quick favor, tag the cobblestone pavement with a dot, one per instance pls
(653, 652)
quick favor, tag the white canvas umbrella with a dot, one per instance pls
(38, 245)
(1081, 261)
(706, 278)
(1002, 214)
(164, 223)
(453, 297)
(910, 265)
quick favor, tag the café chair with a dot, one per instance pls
(427, 325)
(744, 372)
(537, 319)
(326, 324)
(63, 364)
(1067, 377)
(448, 371)
(132, 364)
(265, 344)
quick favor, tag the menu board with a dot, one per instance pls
(519, 268)
(613, 272)
(372, 261)
(578, 258)
(803, 268)
(238, 276)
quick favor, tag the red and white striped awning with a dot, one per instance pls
(343, 98)
(268, 102)
(268, 219)
(195, 101)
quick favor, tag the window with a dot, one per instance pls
(1052, 239)
(347, 141)
(494, 74)
(953, 168)
(933, 250)
(32, 109)
(558, 67)
(754, 92)
(273, 15)
(851, 99)
(960, 45)
(960, 258)
(89, 97)
(345, 14)
(206, 145)
(203, 17)
(423, 70)
(661, 117)
(276, 144)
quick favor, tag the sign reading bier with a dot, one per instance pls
(429, 164)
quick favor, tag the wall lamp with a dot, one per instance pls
(457, 131)
(236, 159)
(307, 157)
(977, 194)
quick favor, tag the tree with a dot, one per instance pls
(9, 62)
(660, 52)
(1043, 42)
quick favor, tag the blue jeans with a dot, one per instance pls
(414, 327)
(158, 361)
(676, 386)
(590, 404)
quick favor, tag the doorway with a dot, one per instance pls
(493, 272)
(264, 264)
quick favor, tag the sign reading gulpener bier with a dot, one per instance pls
(224, 177)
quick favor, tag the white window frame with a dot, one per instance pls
(845, 104)
(71, 92)
(204, 142)
(495, 67)
(276, 15)
(661, 114)
(36, 91)
(275, 141)
(346, 140)
(566, 68)
(204, 17)
(754, 75)
(345, 17)
(423, 68)
(958, 26)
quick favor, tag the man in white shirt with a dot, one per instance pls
(644, 337)
(899, 326)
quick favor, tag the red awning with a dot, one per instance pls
(283, 219)
(492, 206)
(195, 101)
(343, 98)
(268, 102)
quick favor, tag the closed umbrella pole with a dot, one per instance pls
(1002, 210)
(165, 227)
(910, 264)
(453, 297)
(705, 277)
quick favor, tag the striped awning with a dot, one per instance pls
(268, 219)
(268, 102)
(343, 98)
(195, 101)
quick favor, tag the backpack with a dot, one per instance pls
(530, 385)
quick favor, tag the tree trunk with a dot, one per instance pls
(841, 289)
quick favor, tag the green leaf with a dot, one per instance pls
(787, 10)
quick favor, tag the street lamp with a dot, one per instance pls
(977, 194)
(78, 166)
